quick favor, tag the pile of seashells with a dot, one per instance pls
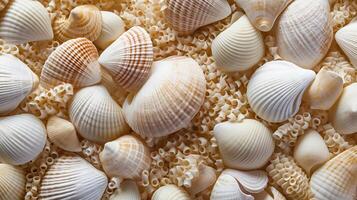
(178, 99)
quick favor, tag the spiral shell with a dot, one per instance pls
(171, 192)
(227, 188)
(128, 191)
(346, 38)
(3, 4)
(12, 182)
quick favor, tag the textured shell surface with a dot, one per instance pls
(171, 192)
(207, 177)
(128, 190)
(129, 58)
(22, 138)
(118, 93)
(227, 188)
(239, 47)
(275, 90)
(3, 4)
(96, 116)
(72, 177)
(74, 62)
(25, 21)
(253, 181)
(346, 38)
(12, 182)
(169, 99)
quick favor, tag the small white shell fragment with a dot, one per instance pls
(128, 190)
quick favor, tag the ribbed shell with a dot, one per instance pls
(117, 92)
(253, 181)
(129, 58)
(275, 90)
(72, 177)
(207, 177)
(25, 21)
(346, 38)
(22, 138)
(171, 192)
(239, 47)
(12, 182)
(3, 4)
(75, 62)
(227, 188)
(96, 116)
(128, 190)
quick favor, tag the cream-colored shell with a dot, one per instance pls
(346, 38)
(3, 4)
(128, 190)
(171, 192)
(118, 93)
(253, 181)
(269, 193)
(239, 47)
(206, 178)
(12, 182)
(227, 188)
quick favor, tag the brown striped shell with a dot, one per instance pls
(3, 4)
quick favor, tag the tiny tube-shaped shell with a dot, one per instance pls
(12, 182)
(346, 38)
(128, 190)
(227, 188)
(171, 192)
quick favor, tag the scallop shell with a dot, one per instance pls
(337, 178)
(227, 188)
(304, 32)
(185, 16)
(12, 182)
(75, 62)
(72, 177)
(239, 47)
(16, 80)
(275, 90)
(83, 21)
(25, 21)
(96, 116)
(251, 181)
(128, 191)
(3, 4)
(207, 177)
(125, 157)
(22, 138)
(171, 192)
(129, 58)
(169, 99)
(346, 38)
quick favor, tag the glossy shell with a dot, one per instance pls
(12, 182)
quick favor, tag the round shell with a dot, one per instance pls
(12, 182)
(128, 190)
(207, 177)
(346, 38)
(171, 192)
(117, 92)
(227, 188)
(3, 4)
(251, 181)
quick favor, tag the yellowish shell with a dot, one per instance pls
(128, 190)
(171, 192)
(12, 182)
(207, 177)
(118, 93)
(3, 4)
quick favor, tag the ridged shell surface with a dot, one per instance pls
(12, 182)
(128, 190)
(171, 192)
(207, 177)
(253, 181)
(227, 188)
(346, 38)
(3, 4)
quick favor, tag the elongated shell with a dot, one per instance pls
(275, 90)
(3, 4)
(25, 21)
(16, 80)
(129, 58)
(22, 138)
(128, 191)
(253, 181)
(207, 177)
(96, 116)
(170, 98)
(72, 177)
(12, 182)
(75, 62)
(171, 192)
(227, 188)
(239, 47)
(346, 38)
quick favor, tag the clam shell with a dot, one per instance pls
(227, 188)
(128, 191)
(12, 182)
(207, 177)
(244, 145)
(251, 181)
(3, 4)
(346, 38)
(96, 116)
(117, 92)
(22, 138)
(25, 21)
(129, 58)
(239, 47)
(169, 99)
(269, 194)
(275, 90)
(171, 192)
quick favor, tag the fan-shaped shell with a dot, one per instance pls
(251, 181)
(25, 21)
(22, 138)
(244, 145)
(169, 99)
(96, 116)
(118, 93)
(75, 62)
(129, 58)
(171, 192)
(239, 47)
(227, 188)
(3, 4)
(128, 191)
(346, 38)
(275, 90)
(206, 178)
(12, 182)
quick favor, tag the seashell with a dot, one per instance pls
(96, 116)
(185, 16)
(263, 13)
(129, 58)
(117, 92)
(63, 134)
(252, 181)
(171, 192)
(336, 179)
(22, 138)
(72, 177)
(125, 157)
(310, 151)
(12, 182)
(304, 32)
(275, 90)
(25, 21)
(239, 47)
(112, 27)
(74, 62)
(346, 38)
(3, 4)
(207, 177)
(269, 194)
(169, 99)
(16, 80)
(244, 145)
(128, 191)
(227, 188)
(83, 21)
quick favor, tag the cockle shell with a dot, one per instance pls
(3, 4)
(16, 80)
(117, 92)
(12, 182)
(239, 47)
(244, 145)
(75, 62)
(346, 38)
(96, 116)
(207, 177)
(227, 188)
(168, 100)
(171, 192)
(185, 16)
(22, 138)
(25, 21)
(125, 157)
(72, 177)
(251, 181)
(129, 58)
(304, 32)
(275, 90)
(128, 190)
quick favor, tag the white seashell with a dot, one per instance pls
(275, 90)
(171, 192)
(25, 21)
(346, 38)
(227, 188)
(244, 145)
(207, 177)
(128, 191)
(269, 194)
(12, 182)
(118, 93)
(22, 138)
(252, 181)
(239, 47)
